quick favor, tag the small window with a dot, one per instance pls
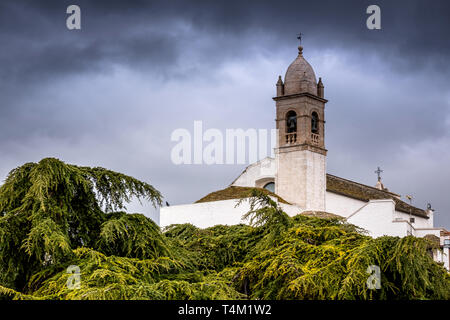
(270, 186)
(291, 122)
(412, 220)
(314, 123)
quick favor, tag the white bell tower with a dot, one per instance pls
(300, 120)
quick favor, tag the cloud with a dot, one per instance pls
(154, 35)
(112, 93)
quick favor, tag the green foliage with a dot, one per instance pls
(265, 212)
(328, 259)
(217, 247)
(132, 235)
(49, 208)
(55, 215)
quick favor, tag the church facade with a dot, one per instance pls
(298, 181)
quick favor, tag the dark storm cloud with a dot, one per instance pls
(36, 44)
(155, 36)
(42, 63)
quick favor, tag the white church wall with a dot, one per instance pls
(341, 205)
(419, 222)
(291, 210)
(265, 168)
(446, 258)
(376, 217)
(404, 227)
(443, 257)
(345, 206)
(205, 214)
(208, 214)
(422, 232)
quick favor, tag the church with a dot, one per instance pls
(297, 179)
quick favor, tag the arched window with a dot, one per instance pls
(270, 186)
(291, 122)
(314, 123)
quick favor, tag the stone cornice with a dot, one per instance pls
(301, 147)
(303, 94)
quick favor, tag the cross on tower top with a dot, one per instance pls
(299, 37)
(378, 172)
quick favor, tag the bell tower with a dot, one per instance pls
(300, 154)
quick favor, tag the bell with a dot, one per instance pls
(291, 124)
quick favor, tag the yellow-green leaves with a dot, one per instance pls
(49, 208)
(58, 228)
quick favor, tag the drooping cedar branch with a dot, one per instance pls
(49, 208)
(54, 215)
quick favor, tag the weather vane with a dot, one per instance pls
(409, 198)
(378, 172)
(299, 37)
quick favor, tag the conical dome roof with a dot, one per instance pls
(300, 76)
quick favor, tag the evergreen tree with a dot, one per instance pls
(49, 208)
(55, 215)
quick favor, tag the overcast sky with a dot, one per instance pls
(112, 93)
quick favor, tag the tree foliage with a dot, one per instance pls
(50, 208)
(55, 215)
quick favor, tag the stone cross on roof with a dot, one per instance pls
(378, 172)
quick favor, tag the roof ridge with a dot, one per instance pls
(365, 185)
(400, 205)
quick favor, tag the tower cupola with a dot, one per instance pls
(300, 76)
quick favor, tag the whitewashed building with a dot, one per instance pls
(297, 176)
